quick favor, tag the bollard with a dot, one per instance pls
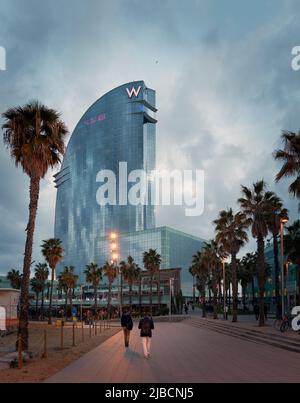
(45, 344)
(62, 336)
(20, 355)
(74, 343)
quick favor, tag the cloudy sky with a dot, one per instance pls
(224, 82)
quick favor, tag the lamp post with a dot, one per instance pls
(283, 221)
(224, 289)
(81, 303)
(114, 255)
(170, 297)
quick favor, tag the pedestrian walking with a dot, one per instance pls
(146, 326)
(127, 325)
(186, 309)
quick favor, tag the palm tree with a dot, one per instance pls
(42, 274)
(35, 136)
(68, 281)
(274, 221)
(131, 273)
(210, 259)
(257, 203)
(193, 273)
(290, 157)
(36, 287)
(53, 252)
(110, 270)
(152, 261)
(201, 274)
(244, 275)
(93, 275)
(292, 247)
(15, 279)
(231, 236)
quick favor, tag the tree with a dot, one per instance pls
(42, 274)
(292, 248)
(231, 236)
(68, 282)
(15, 279)
(248, 264)
(53, 251)
(110, 270)
(93, 275)
(131, 273)
(274, 222)
(290, 157)
(257, 203)
(152, 261)
(210, 259)
(201, 273)
(35, 136)
(244, 275)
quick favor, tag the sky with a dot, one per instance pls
(224, 82)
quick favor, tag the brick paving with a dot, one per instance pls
(182, 353)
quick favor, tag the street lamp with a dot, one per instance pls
(283, 221)
(171, 282)
(113, 237)
(224, 289)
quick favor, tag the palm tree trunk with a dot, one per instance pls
(261, 277)
(151, 284)
(66, 305)
(234, 288)
(24, 298)
(130, 297)
(95, 295)
(276, 266)
(140, 295)
(109, 300)
(37, 305)
(158, 286)
(51, 295)
(42, 304)
(71, 303)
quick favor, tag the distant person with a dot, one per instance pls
(193, 307)
(256, 311)
(127, 325)
(146, 326)
(226, 312)
(186, 309)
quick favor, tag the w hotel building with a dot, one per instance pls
(118, 127)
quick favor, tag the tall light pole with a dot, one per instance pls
(113, 237)
(283, 221)
(170, 297)
(224, 288)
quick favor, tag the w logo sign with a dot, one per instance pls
(133, 91)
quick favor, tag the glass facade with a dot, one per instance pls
(116, 128)
(119, 127)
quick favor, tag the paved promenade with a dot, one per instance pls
(182, 353)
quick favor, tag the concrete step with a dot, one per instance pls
(243, 334)
(276, 337)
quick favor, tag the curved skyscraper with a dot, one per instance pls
(119, 127)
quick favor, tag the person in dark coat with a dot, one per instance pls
(256, 311)
(127, 325)
(146, 326)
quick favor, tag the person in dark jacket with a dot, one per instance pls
(146, 326)
(127, 325)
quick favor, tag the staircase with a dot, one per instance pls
(282, 341)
